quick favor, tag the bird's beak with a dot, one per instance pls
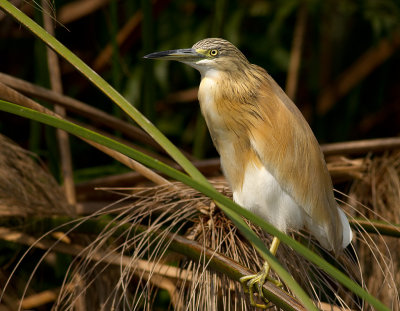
(182, 55)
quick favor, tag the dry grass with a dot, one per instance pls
(377, 196)
(185, 211)
(25, 187)
(126, 272)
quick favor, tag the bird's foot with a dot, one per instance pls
(250, 282)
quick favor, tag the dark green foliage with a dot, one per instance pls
(337, 34)
(263, 30)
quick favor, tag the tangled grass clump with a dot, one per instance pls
(126, 257)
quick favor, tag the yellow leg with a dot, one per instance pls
(259, 279)
(274, 245)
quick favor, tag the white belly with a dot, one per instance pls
(262, 195)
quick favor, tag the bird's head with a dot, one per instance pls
(207, 54)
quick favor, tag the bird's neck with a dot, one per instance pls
(225, 105)
(210, 102)
(236, 83)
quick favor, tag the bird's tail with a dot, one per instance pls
(347, 234)
(327, 235)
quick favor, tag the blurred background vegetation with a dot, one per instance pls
(337, 59)
(347, 79)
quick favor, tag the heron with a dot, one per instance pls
(269, 154)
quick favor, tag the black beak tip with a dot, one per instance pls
(156, 55)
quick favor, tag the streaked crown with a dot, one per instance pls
(221, 50)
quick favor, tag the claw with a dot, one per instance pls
(250, 281)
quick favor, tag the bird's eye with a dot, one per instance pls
(213, 52)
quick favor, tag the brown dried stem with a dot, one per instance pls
(361, 68)
(13, 96)
(79, 107)
(361, 146)
(56, 85)
(297, 47)
(78, 9)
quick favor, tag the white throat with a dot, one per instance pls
(204, 66)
